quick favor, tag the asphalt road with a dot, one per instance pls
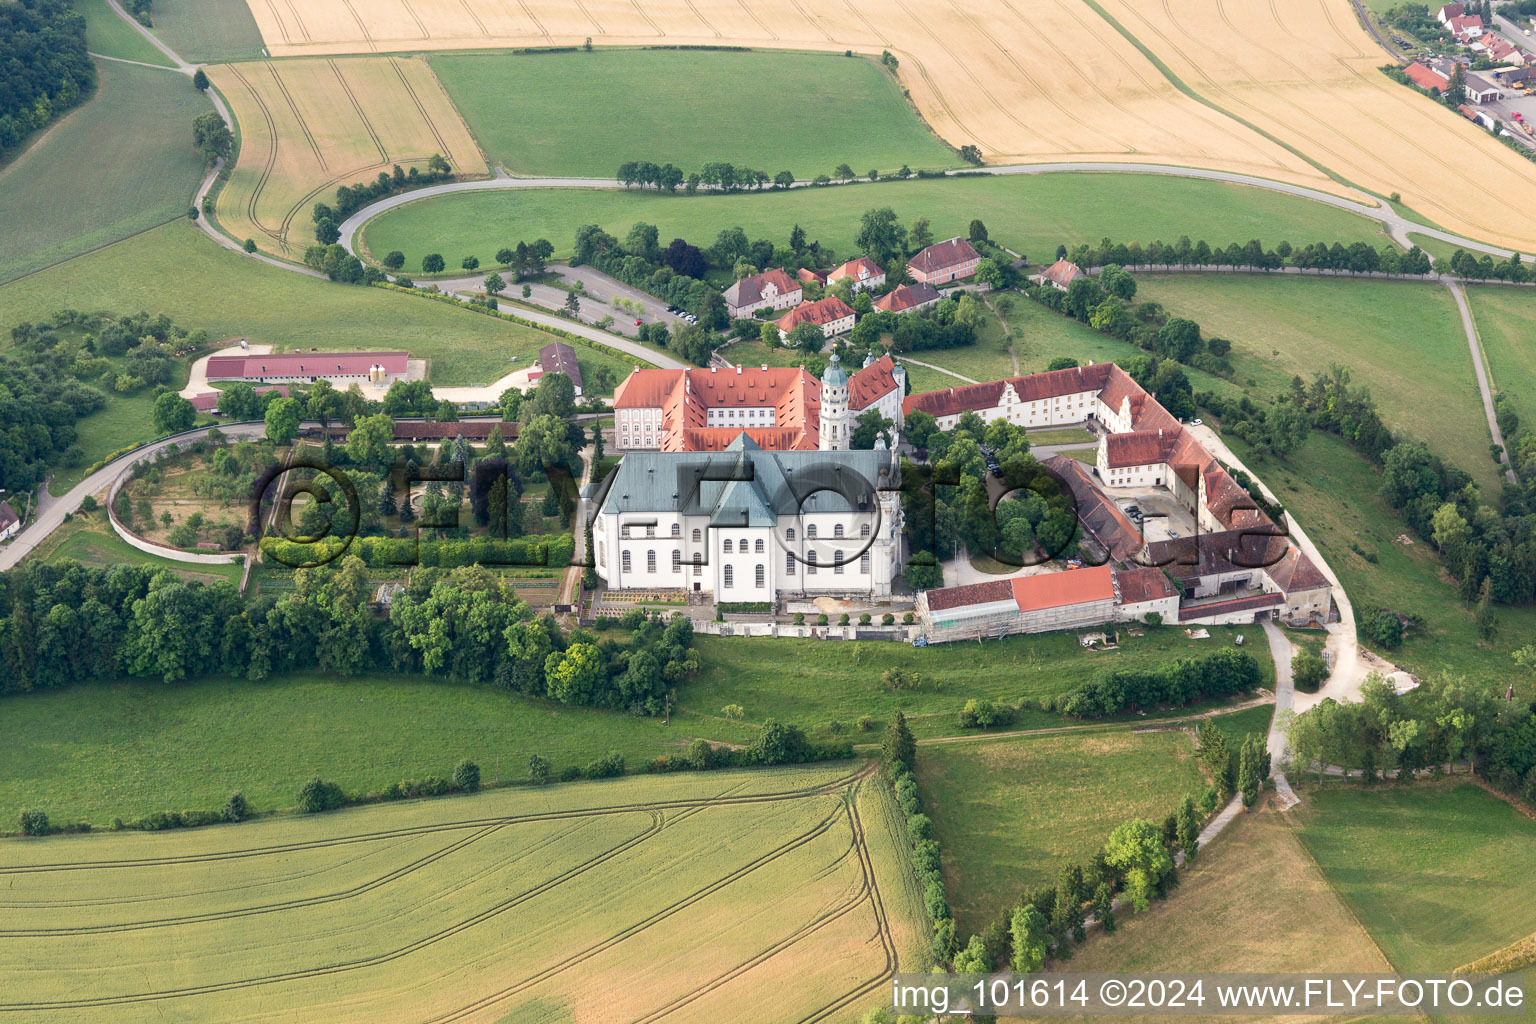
(52, 515)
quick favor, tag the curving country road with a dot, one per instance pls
(52, 516)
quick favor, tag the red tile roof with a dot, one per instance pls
(1143, 584)
(953, 401)
(1451, 11)
(806, 276)
(1059, 589)
(821, 312)
(1425, 77)
(750, 289)
(1062, 273)
(861, 269)
(1101, 517)
(646, 389)
(907, 296)
(686, 396)
(942, 255)
(312, 364)
(8, 517)
(871, 383)
(1138, 448)
(986, 592)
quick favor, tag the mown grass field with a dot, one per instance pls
(108, 34)
(689, 108)
(695, 897)
(814, 682)
(208, 30)
(1010, 813)
(1506, 323)
(1438, 873)
(97, 752)
(1336, 496)
(61, 198)
(179, 271)
(1031, 214)
(1253, 901)
(1403, 340)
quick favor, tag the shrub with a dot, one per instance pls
(34, 823)
(237, 808)
(1308, 669)
(983, 714)
(799, 618)
(734, 712)
(570, 773)
(864, 619)
(319, 795)
(821, 620)
(865, 723)
(842, 620)
(538, 769)
(466, 776)
(608, 766)
(919, 826)
(908, 619)
(887, 619)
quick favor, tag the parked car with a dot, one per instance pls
(1197, 422)
(638, 322)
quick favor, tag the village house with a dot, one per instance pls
(342, 369)
(1465, 28)
(1425, 77)
(808, 276)
(1450, 11)
(908, 297)
(208, 401)
(1072, 599)
(943, 262)
(781, 408)
(750, 525)
(1060, 275)
(558, 358)
(772, 289)
(862, 272)
(831, 314)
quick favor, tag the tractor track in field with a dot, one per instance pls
(266, 171)
(882, 923)
(378, 143)
(832, 786)
(426, 119)
(485, 1002)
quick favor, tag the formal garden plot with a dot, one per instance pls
(557, 897)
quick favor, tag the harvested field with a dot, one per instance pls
(308, 126)
(685, 897)
(979, 73)
(1306, 72)
(1295, 97)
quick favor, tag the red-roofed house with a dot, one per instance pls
(807, 276)
(772, 289)
(908, 297)
(342, 369)
(943, 262)
(1426, 78)
(831, 314)
(1060, 275)
(1466, 28)
(863, 272)
(1450, 11)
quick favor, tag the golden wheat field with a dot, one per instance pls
(697, 898)
(1047, 80)
(307, 126)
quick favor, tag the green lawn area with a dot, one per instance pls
(63, 196)
(1506, 322)
(90, 540)
(179, 271)
(687, 107)
(1040, 335)
(1439, 874)
(1403, 340)
(1239, 724)
(1009, 814)
(1029, 213)
(813, 682)
(1336, 496)
(206, 31)
(96, 752)
(109, 35)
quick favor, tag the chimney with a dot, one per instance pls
(738, 371)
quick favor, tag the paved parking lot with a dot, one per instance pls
(1164, 516)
